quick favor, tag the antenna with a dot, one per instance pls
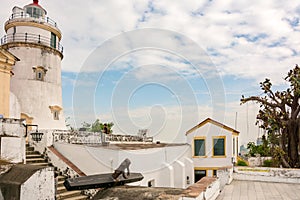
(235, 123)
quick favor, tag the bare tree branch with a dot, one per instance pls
(260, 100)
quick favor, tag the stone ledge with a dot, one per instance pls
(196, 189)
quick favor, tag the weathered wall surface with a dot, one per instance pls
(267, 174)
(257, 161)
(14, 107)
(39, 186)
(11, 149)
(12, 141)
(36, 96)
(225, 176)
(11, 127)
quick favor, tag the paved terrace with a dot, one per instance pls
(248, 190)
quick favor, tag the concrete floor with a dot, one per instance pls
(248, 190)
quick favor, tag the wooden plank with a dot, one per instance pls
(99, 181)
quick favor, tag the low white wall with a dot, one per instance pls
(257, 161)
(212, 191)
(40, 186)
(281, 175)
(225, 176)
(12, 149)
(47, 140)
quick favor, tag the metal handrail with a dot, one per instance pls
(31, 38)
(23, 15)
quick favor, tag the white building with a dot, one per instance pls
(214, 146)
(162, 165)
(211, 148)
(34, 39)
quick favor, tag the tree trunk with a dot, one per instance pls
(293, 143)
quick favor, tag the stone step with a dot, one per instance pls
(81, 197)
(29, 148)
(35, 160)
(40, 164)
(60, 183)
(32, 152)
(61, 189)
(61, 178)
(68, 194)
(33, 156)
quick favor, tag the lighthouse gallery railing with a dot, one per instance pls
(31, 38)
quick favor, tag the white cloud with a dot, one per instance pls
(247, 39)
(212, 24)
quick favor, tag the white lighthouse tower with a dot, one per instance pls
(35, 39)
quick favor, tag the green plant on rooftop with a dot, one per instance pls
(268, 163)
(262, 150)
(279, 116)
(98, 126)
(241, 163)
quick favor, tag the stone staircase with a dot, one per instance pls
(35, 158)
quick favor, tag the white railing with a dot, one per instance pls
(85, 137)
(31, 38)
(23, 15)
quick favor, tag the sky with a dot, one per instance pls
(167, 65)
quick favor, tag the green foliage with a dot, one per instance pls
(86, 125)
(97, 126)
(278, 154)
(268, 163)
(241, 163)
(263, 149)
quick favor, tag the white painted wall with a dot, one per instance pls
(32, 30)
(12, 127)
(12, 149)
(36, 96)
(14, 106)
(209, 130)
(154, 163)
(12, 140)
(179, 174)
(189, 170)
(40, 186)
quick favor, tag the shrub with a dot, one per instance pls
(268, 163)
(241, 163)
